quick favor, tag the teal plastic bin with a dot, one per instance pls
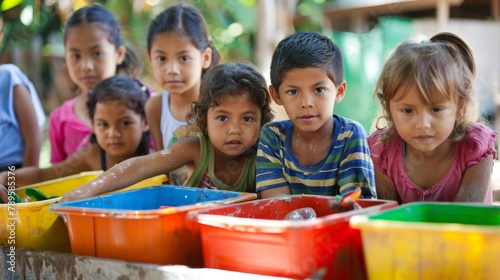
(131, 226)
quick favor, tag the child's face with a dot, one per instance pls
(90, 57)
(234, 125)
(308, 96)
(177, 64)
(423, 126)
(118, 129)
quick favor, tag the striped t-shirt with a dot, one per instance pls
(346, 165)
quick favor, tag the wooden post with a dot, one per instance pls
(358, 23)
(442, 14)
(495, 9)
(275, 22)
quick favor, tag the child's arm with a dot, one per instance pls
(3, 194)
(270, 180)
(30, 132)
(33, 174)
(128, 172)
(153, 116)
(385, 188)
(26, 176)
(269, 193)
(356, 166)
(3, 187)
(475, 182)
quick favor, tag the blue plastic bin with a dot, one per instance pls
(130, 226)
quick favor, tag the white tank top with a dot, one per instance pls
(168, 124)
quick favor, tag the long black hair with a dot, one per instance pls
(98, 14)
(186, 21)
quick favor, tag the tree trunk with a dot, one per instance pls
(275, 22)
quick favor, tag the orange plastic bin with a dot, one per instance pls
(252, 237)
(131, 226)
(35, 227)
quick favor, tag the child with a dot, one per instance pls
(179, 51)
(116, 111)
(315, 152)
(21, 118)
(432, 148)
(93, 52)
(233, 105)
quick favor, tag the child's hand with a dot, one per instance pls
(80, 193)
(3, 178)
(3, 189)
(4, 194)
(347, 202)
(347, 205)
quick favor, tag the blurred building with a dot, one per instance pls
(367, 30)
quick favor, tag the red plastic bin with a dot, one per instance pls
(252, 237)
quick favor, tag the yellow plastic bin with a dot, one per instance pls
(426, 240)
(30, 224)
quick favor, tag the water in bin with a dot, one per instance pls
(305, 213)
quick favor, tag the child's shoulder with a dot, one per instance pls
(154, 103)
(10, 69)
(187, 130)
(479, 142)
(156, 98)
(478, 135)
(13, 73)
(197, 138)
(65, 109)
(478, 129)
(381, 148)
(343, 121)
(66, 106)
(278, 126)
(375, 138)
(343, 124)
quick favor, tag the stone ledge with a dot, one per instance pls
(36, 264)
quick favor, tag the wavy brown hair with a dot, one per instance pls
(230, 79)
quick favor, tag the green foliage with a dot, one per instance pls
(232, 25)
(311, 12)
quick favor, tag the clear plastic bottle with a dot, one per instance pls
(305, 213)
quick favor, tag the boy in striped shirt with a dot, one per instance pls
(314, 151)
